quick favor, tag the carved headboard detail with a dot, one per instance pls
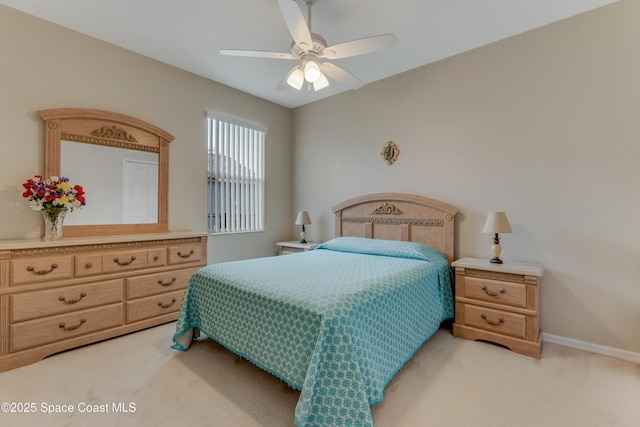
(398, 216)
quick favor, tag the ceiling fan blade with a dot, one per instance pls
(257, 54)
(359, 47)
(340, 75)
(296, 24)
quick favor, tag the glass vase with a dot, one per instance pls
(53, 223)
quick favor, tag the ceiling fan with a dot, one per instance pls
(310, 48)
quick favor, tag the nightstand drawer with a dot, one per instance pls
(508, 293)
(501, 322)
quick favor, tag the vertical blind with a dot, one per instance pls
(236, 175)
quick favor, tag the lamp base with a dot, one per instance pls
(496, 250)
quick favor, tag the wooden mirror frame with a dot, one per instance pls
(113, 130)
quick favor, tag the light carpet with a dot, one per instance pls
(448, 382)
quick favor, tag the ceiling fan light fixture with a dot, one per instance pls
(296, 79)
(321, 83)
(312, 71)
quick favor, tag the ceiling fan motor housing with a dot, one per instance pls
(319, 45)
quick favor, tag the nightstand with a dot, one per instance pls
(294, 246)
(499, 303)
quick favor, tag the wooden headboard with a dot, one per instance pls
(397, 216)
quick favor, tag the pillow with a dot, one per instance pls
(394, 248)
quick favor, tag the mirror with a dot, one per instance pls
(131, 174)
(122, 163)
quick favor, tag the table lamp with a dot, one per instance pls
(497, 222)
(302, 219)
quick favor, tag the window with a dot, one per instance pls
(235, 188)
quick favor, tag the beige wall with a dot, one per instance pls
(46, 66)
(543, 125)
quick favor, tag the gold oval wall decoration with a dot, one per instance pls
(390, 153)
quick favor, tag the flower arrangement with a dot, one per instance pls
(53, 194)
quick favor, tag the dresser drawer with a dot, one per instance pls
(39, 332)
(41, 269)
(184, 253)
(501, 322)
(157, 257)
(88, 265)
(152, 284)
(144, 308)
(507, 293)
(31, 305)
(114, 262)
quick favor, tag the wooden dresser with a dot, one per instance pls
(59, 295)
(499, 303)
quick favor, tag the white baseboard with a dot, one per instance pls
(593, 348)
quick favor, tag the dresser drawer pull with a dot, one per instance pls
(492, 322)
(156, 258)
(123, 263)
(161, 305)
(491, 293)
(88, 265)
(42, 272)
(72, 301)
(165, 284)
(185, 255)
(72, 327)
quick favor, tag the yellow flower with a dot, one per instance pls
(64, 186)
(63, 200)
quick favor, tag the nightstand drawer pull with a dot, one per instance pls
(161, 283)
(491, 293)
(492, 322)
(123, 263)
(42, 272)
(161, 305)
(72, 327)
(72, 301)
(181, 255)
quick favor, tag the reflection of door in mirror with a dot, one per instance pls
(101, 171)
(139, 192)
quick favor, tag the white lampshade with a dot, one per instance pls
(497, 222)
(312, 72)
(303, 218)
(321, 83)
(296, 79)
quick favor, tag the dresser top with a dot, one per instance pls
(73, 241)
(506, 267)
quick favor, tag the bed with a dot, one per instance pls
(339, 321)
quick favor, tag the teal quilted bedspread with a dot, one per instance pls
(336, 322)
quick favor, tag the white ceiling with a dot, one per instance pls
(189, 33)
